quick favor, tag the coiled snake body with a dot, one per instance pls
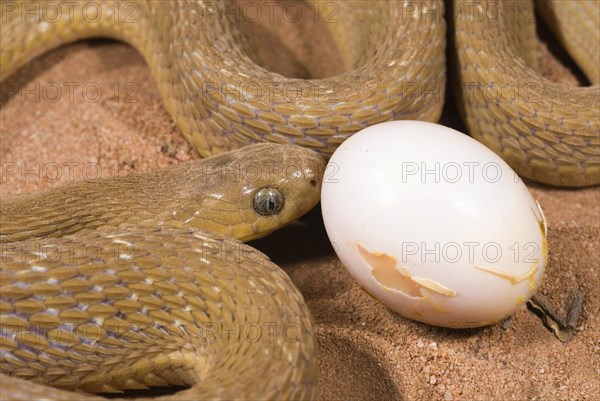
(137, 282)
(202, 60)
(206, 67)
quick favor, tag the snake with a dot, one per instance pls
(208, 69)
(143, 280)
(546, 131)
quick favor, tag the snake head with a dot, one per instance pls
(252, 191)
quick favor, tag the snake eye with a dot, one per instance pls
(267, 201)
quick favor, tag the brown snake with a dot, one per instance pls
(135, 282)
(546, 131)
(207, 69)
(204, 63)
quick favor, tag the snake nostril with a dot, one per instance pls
(313, 183)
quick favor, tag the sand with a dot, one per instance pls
(367, 352)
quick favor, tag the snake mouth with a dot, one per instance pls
(253, 237)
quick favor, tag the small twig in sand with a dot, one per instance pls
(562, 328)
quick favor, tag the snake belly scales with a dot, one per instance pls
(550, 135)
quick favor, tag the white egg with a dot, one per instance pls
(433, 224)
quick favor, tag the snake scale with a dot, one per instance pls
(138, 282)
(208, 72)
(151, 306)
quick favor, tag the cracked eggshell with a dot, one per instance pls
(433, 224)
